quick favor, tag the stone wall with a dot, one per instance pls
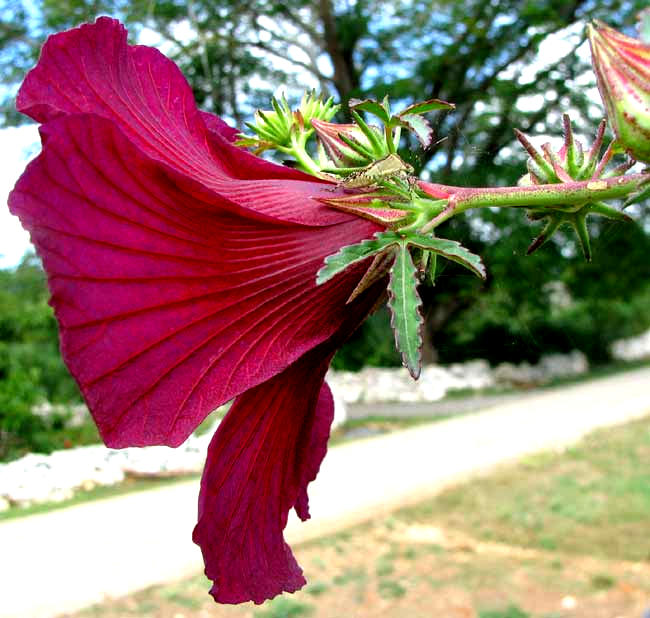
(632, 349)
(37, 479)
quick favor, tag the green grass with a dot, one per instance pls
(511, 611)
(602, 581)
(390, 589)
(592, 499)
(316, 589)
(285, 607)
(350, 576)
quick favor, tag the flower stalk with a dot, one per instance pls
(562, 196)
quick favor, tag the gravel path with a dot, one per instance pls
(68, 559)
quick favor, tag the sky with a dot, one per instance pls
(19, 145)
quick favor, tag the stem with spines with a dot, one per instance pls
(562, 196)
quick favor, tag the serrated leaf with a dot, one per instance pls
(426, 106)
(420, 126)
(352, 254)
(450, 249)
(404, 304)
(372, 107)
(376, 271)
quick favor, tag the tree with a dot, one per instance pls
(483, 56)
(31, 369)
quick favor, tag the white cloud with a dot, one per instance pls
(19, 145)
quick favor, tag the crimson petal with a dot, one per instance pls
(168, 304)
(260, 460)
(216, 126)
(92, 69)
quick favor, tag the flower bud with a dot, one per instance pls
(345, 144)
(622, 66)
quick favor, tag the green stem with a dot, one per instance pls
(388, 132)
(561, 195)
(299, 152)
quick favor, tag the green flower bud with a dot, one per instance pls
(622, 66)
(346, 144)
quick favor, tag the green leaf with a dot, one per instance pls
(378, 269)
(371, 107)
(419, 126)
(404, 304)
(378, 146)
(451, 250)
(345, 257)
(426, 106)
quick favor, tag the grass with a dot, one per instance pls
(285, 607)
(390, 589)
(593, 498)
(558, 523)
(512, 611)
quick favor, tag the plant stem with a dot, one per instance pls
(299, 152)
(561, 195)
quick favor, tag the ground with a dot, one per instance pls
(558, 535)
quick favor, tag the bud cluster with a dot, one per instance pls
(287, 130)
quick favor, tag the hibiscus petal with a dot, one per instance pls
(215, 125)
(169, 305)
(92, 69)
(260, 460)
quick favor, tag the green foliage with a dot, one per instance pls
(285, 607)
(404, 305)
(478, 55)
(549, 302)
(512, 611)
(371, 345)
(31, 369)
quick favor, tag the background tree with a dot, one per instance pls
(31, 369)
(484, 57)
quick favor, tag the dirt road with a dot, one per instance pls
(68, 559)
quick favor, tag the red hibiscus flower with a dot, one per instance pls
(182, 272)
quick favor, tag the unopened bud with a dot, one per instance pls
(622, 66)
(345, 144)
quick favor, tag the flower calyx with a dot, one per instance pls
(348, 145)
(622, 66)
(572, 163)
